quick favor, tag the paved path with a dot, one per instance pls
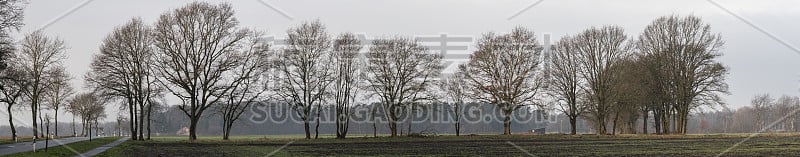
(26, 146)
(103, 148)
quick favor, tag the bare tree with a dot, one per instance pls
(348, 75)
(400, 72)
(12, 86)
(599, 49)
(155, 102)
(249, 81)
(61, 90)
(89, 107)
(785, 105)
(630, 94)
(12, 83)
(455, 95)
(565, 82)
(688, 50)
(123, 69)
(195, 46)
(505, 71)
(761, 105)
(303, 66)
(39, 56)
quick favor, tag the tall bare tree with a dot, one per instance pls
(455, 94)
(599, 49)
(303, 65)
(12, 83)
(400, 72)
(195, 46)
(688, 50)
(565, 82)
(39, 56)
(347, 75)
(123, 70)
(12, 86)
(62, 90)
(505, 70)
(249, 82)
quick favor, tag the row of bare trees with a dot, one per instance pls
(770, 114)
(199, 54)
(668, 71)
(32, 74)
(397, 72)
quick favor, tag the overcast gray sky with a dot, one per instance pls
(758, 63)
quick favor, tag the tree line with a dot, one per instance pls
(200, 55)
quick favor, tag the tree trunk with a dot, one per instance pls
(193, 127)
(132, 121)
(74, 133)
(572, 125)
(316, 129)
(89, 129)
(507, 123)
(392, 121)
(601, 124)
(47, 138)
(96, 126)
(374, 124)
(55, 128)
(141, 121)
(11, 124)
(307, 128)
(644, 122)
(393, 127)
(458, 119)
(341, 129)
(665, 121)
(83, 126)
(614, 124)
(657, 121)
(149, 110)
(41, 125)
(33, 115)
(338, 125)
(226, 130)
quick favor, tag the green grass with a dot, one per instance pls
(8, 140)
(481, 145)
(82, 146)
